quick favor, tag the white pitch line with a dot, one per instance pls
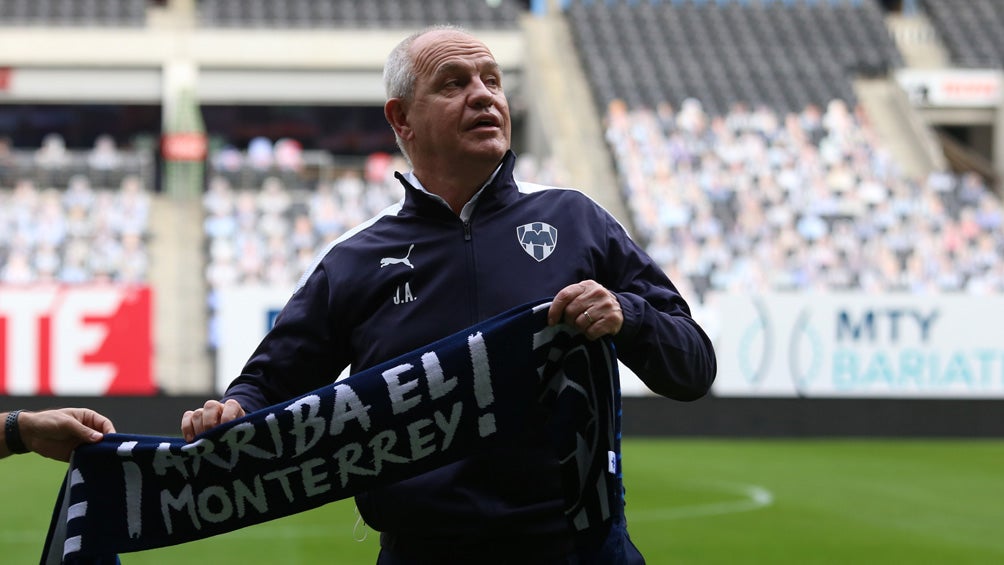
(756, 497)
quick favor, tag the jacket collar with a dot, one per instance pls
(498, 192)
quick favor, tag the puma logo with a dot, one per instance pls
(395, 260)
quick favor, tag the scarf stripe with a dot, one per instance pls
(436, 405)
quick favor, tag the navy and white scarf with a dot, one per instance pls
(425, 409)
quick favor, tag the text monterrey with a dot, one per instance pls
(326, 445)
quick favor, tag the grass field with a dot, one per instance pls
(689, 502)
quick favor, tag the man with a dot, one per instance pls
(52, 433)
(466, 243)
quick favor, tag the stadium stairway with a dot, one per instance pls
(181, 358)
(913, 145)
(564, 118)
(917, 40)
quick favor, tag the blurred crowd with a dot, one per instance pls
(752, 201)
(269, 234)
(748, 201)
(72, 216)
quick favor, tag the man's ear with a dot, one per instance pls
(397, 116)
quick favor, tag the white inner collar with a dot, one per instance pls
(468, 209)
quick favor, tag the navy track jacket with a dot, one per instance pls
(418, 272)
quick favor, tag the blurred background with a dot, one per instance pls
(820, 178)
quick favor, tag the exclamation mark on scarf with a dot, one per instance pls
(133, 490)
(483, 392)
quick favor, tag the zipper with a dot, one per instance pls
(471, 272)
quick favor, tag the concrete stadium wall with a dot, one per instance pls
(659, 417)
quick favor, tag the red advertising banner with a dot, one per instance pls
(184, 146)
(76, 340)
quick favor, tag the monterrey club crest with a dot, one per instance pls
(538, 239)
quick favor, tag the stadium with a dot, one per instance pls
(821, 179)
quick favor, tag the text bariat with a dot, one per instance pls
(434, 406)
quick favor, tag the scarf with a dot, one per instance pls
(436, 405)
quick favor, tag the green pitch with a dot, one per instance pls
(689, 502)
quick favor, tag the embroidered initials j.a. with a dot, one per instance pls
(403, 294)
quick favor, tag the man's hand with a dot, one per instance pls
(56, 433)
(212, 414)
(589, 307)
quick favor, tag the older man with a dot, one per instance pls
(468, 242)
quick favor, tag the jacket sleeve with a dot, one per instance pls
(297, 355)
(659, 340)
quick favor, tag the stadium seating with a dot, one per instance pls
(356, 15)
(970, 29)
(752, 200)
(747, 165)
(75, 216)
(781, 54)
(76, 13)
(269, 233)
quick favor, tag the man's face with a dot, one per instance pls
(458, 113)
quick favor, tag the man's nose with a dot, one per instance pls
(481, 96)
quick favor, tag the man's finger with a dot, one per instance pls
(211, 413)
(557, 309)
(83, 432)
(231, 411)
(103, 424)
(96, 421)
(559, 305)
(187, 427)
(197, 426)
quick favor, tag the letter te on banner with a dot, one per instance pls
(76, 340)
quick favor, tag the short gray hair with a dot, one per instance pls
(399, 72)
